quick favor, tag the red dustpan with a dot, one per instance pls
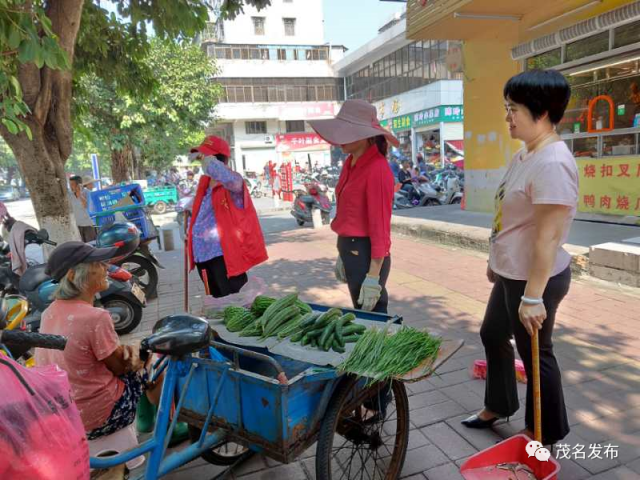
(496, 463)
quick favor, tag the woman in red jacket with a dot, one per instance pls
(364, 201)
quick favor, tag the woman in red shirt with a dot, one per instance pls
(364, 201)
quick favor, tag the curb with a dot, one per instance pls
(267, 211)
(472, 238)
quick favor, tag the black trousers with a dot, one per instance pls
(219, 284)
(356, 257)
(501, 322)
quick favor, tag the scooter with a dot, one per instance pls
(142, 263)
(254, 186)
(307, 201)
(401, 200)
(124, 299)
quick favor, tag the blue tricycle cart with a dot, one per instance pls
(240, 400)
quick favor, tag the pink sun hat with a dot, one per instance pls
(356, 120)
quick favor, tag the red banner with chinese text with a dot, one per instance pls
(610, 185)
(300, 142)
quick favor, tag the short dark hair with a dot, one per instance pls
(540, 91)
(77, 179)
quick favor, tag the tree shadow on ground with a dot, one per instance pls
(602, 387)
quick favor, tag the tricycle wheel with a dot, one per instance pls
(364, 433)
(225, 453)
(160, 207)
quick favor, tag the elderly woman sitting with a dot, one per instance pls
(107, 379)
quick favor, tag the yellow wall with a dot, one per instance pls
(488, 146)
(487, 67)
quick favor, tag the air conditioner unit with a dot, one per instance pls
(269, 139)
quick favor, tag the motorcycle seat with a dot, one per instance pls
(178, 335)
(33, 277)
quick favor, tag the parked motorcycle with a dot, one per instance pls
(306, 201)
(142, 263)
(254, 186)
(401, 200)
(123, 299)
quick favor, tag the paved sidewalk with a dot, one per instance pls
(444, 289)
(583, 233)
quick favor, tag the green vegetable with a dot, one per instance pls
(379, 355)
(324, 319)
(305, 340)
(337, 347)
(309, 319)
(276, 307)
(260, 304)
(240, 322)
(304, 308)
(354, 328)
(315, 333)
(339, 339)
(351, 338)
(278, 319)
(327, 335)
(253, 330)
(232, 312)
(297, 337)
(293, 326)
(344, 320)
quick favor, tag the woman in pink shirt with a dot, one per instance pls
(535, 205)
(107, 379)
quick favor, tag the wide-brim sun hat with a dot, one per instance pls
(356, 120)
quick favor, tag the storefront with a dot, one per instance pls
(429, 132)
(304, 150)
(595, 44)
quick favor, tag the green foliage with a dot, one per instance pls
(163, 122)
(26, 36)
(232, 8)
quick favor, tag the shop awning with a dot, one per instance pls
(468, 19)
(457, 144)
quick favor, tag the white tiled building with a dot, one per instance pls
(277, 72)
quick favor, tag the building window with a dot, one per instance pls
(545, 60)
(587, 46)
(626, 35)
(289, 26)
(258, 25)
(295, 126)
(253, 128)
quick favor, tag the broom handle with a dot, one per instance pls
(186, 261)
(537, 404)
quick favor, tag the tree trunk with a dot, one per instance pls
(43, 171)
(120, 164)
(48, 94)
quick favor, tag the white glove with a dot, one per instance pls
(341, 276)
(369, 293)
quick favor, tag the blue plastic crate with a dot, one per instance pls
(106, 199)
(136, 216)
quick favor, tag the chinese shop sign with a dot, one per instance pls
(425, 118)
(300, 141)
(610, 186)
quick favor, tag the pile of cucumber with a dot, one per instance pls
(289, 317)
(329, 330)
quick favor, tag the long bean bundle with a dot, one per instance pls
(379, 355)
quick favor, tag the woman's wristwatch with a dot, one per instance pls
(531, 301)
